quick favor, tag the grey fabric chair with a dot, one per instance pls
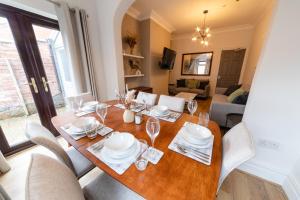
(48, 179)
(3, 194)
(72, 158)
(173, 103)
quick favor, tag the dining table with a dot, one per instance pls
(175, 176)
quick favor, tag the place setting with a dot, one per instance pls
(194, 141)
(119, 150)
(162, 112)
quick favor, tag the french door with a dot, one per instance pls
(29, 52)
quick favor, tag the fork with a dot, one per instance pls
(181, 149)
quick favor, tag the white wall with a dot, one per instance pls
(220, 40)
(273, 108)
(259, 36)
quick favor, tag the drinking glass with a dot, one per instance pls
(101, 110)
(152, 128)
(203, 119)
(91, 129)
(141, 162)
(192, 106)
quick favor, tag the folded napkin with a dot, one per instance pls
(70, 129)
(118, 168)
(179, 140)
(172, 117)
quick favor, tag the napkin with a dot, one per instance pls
(172, 117)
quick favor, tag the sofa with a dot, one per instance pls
(199, 87)
(220, 108)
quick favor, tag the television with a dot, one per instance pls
(168, 59)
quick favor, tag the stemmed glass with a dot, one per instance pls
(77, 103)
(152, 129)
(192, 106)
(101, 110)
(203, 119)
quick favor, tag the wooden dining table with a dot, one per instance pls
(175, 176)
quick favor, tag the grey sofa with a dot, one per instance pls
(220, 108)
(203, 93)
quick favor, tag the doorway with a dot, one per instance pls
(31, 83)
(230, 68)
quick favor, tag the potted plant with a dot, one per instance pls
(131, 41)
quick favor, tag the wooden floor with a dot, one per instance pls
(237, 186)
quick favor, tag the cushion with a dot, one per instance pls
(231, 89)
(203, 84)
(191, 83)
(241, 99)
(236, 93)
(49, 179)
(181, 83)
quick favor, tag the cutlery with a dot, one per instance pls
(203, 155)
(184, 151)
(193, 149)
(100, 145)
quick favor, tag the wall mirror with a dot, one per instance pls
(196, 64)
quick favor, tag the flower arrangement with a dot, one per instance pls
(131, 41)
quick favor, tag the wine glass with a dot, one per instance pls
(101, 110)
(203, 119)
(77, 103)
(192, 106)
(152, 128)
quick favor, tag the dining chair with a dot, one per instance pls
(85, 97)
(3, 194)
(173, 103)
(38, 134)
(148, 98)
(4, 166)
(49, 179)
(238, 147)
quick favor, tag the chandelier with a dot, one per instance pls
(202, 32)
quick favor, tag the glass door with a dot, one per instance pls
(28, 75)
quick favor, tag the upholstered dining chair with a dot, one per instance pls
(4, 166)
(3, 194)
(238, 147)
(72, 158)
(173, 103)
(49, 179)
(148, 98)
(85, 97)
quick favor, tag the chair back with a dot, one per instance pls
(49, 179)
(238, 147)
(4, 166)
(38, 134)
(148, 98)
(3, 194)
(85, 97)
(173, 103)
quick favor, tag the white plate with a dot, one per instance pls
(196, 134)
(90, 103)
(81, 124)
(120, 155)
(162, 110)
(119, 142)
(130, 158)
(157, 114)
(189, 143)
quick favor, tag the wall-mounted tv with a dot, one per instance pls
(168, 59)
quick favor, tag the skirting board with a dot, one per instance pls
(290, 186)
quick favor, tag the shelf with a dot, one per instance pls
(132, 76)
(132, 56)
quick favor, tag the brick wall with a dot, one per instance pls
(10, 103)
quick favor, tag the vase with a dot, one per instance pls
(128, 116)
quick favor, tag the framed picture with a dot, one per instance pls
(196, 64)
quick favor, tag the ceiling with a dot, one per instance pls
(183, 15)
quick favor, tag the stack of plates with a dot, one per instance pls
(89, 106)
(120, 148)
(83, 124)
(160, 111)
(197, 135)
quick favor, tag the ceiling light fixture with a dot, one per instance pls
(202, 33)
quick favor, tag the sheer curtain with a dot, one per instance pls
(74, 29)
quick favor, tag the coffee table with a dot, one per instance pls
(187, 96)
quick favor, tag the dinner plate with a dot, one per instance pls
(81, 124)
(130, 158)
(118, 143)
(160, 109)
(196, 134)
(192, 144)
(120, 155)
(158, 114)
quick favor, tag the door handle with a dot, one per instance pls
(45, 84)
(33, 84)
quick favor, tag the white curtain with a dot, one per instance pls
(74, 30)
